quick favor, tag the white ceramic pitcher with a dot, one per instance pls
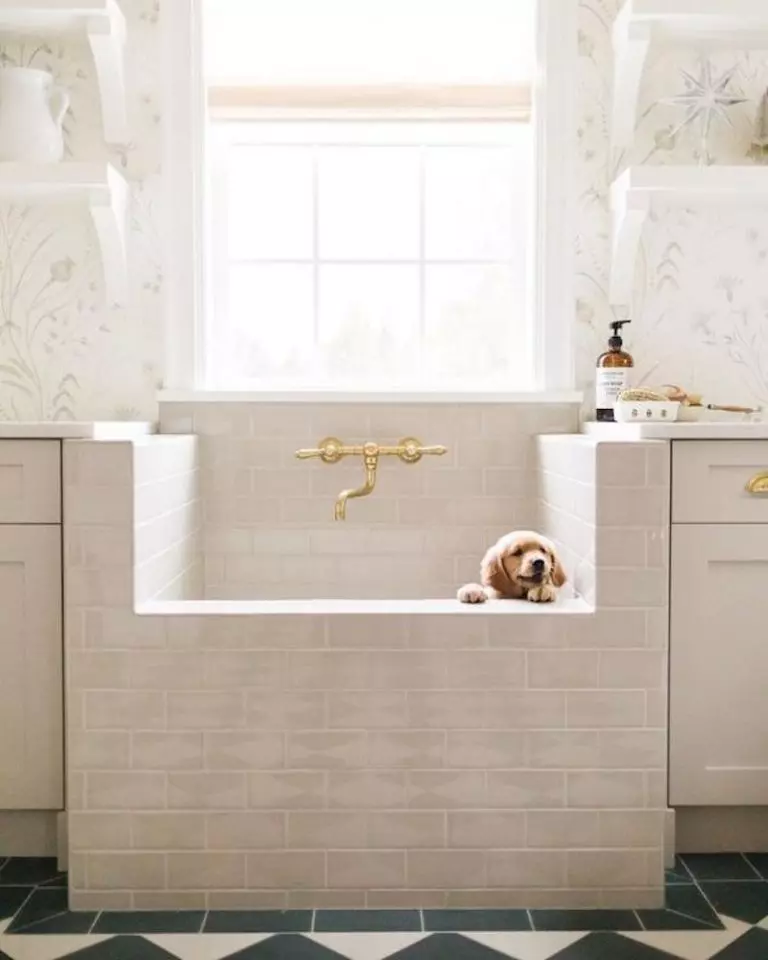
(32, 112)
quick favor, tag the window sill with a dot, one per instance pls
(374, 396)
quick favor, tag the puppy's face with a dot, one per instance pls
(520, 562)
(528, 562)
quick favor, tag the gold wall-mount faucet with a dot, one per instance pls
(331, 450)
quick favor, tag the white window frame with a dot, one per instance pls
(188, 301)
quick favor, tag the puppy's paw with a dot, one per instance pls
(546, 593)
(472, 593)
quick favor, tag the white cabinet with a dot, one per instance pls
(31, 685)
(718, 627)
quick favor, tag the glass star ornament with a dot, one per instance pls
(706, 98)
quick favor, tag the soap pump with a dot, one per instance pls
(613, 369)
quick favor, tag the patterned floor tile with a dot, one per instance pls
(11, 899)
(461, 920)
(214, 946)
(29, 871)
(691, 902)
(47, 911)
(258, 921)
(719, 866)
(367, 921)
(760, 862)
(366, 946)
(123, 948)
(584, 920)
(47, 947)
(690, 945)
(287, 946)
(150, 921)
(669, 920)
(527, 946)
(678, 873)
(611, 946)
(752, 946)
(447, 946)
(742, 900)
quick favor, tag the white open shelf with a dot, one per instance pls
(634, 192)
(97, 185)
(642, 24)
(103, 24)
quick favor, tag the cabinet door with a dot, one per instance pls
(719, 665)
(31, 695)
(30, 481)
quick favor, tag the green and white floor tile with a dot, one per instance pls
(717, 909)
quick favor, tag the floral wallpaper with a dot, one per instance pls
(700, 310)
(65, 353)
(701, 300)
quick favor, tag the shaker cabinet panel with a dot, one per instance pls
(30, 483)
(719, 665)
(31, 683)
(710, 478)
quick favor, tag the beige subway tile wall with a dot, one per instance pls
(369, 760)
(269, 528)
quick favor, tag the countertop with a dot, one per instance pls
(75, 430)
(698, 430)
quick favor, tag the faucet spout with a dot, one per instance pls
(371, 460)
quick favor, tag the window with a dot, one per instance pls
(429, 78)
(371, 193)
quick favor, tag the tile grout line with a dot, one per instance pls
(95, 921)
(751, 866)
(699, 888)
(740, 880)
(688, 916)
(639, 919)
(312, 922)
(23, 903)
(204, 921)
(530, 920)
(421, 920)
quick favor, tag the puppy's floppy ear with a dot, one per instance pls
(558, 573)
(494, 574)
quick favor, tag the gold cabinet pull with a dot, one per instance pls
(758, 484)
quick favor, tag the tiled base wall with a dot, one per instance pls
(133, 521)
(380, 761)
(269, 528)
(275, 761)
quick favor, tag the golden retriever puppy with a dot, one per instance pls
(522, 566)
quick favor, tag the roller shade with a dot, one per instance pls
(411, 44)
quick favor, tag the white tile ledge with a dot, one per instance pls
(373, 396)
(218, 608)
(75, 430)
(699, 430)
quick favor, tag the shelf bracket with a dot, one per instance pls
(106, 37)
(109, 210)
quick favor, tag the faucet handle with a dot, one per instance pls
(329, 450)
(411, 450)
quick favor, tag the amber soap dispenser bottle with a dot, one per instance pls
(613, 372)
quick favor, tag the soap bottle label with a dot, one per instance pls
(611, 383)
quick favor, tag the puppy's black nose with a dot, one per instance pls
(538, 565)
